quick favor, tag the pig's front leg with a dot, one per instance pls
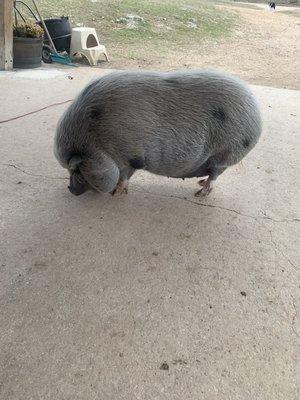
(122, 186)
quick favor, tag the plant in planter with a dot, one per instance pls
(27, 45)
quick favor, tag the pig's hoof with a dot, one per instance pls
(206, 187)
(121, 188)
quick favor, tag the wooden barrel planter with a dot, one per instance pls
(27, 52)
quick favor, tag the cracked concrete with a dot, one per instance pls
(34, 111)
(198, 203)
(154, 295)
(33, 174)
(170, 197)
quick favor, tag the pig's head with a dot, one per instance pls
(90, 168)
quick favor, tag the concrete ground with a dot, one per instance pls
(154, 295)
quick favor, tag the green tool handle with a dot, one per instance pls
(44, 26)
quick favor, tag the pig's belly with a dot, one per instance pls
(183, 168)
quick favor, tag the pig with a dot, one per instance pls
(182, 124)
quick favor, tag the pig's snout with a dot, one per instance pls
(78, 184)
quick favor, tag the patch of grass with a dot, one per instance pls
(165, 24)
(174, 22)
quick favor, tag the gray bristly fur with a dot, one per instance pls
(176, 124)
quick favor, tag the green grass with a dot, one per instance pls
(166, 24)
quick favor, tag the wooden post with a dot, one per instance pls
(6, 34)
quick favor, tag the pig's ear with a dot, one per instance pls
(94, 117)
(95, 113)
(100, 171)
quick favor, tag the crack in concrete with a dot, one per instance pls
(217, 207)
(30, 173)
(172, 197)
(276, 246)
(35, 111)
(294, 317)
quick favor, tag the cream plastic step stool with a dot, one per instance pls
(84, 41)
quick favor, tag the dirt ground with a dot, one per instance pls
(263, 50)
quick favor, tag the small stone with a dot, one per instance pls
(164, 367)
(243, 293)
(40, 264)
(191, 25)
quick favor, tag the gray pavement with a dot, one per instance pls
(154, 295)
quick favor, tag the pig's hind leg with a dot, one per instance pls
(214, 167)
